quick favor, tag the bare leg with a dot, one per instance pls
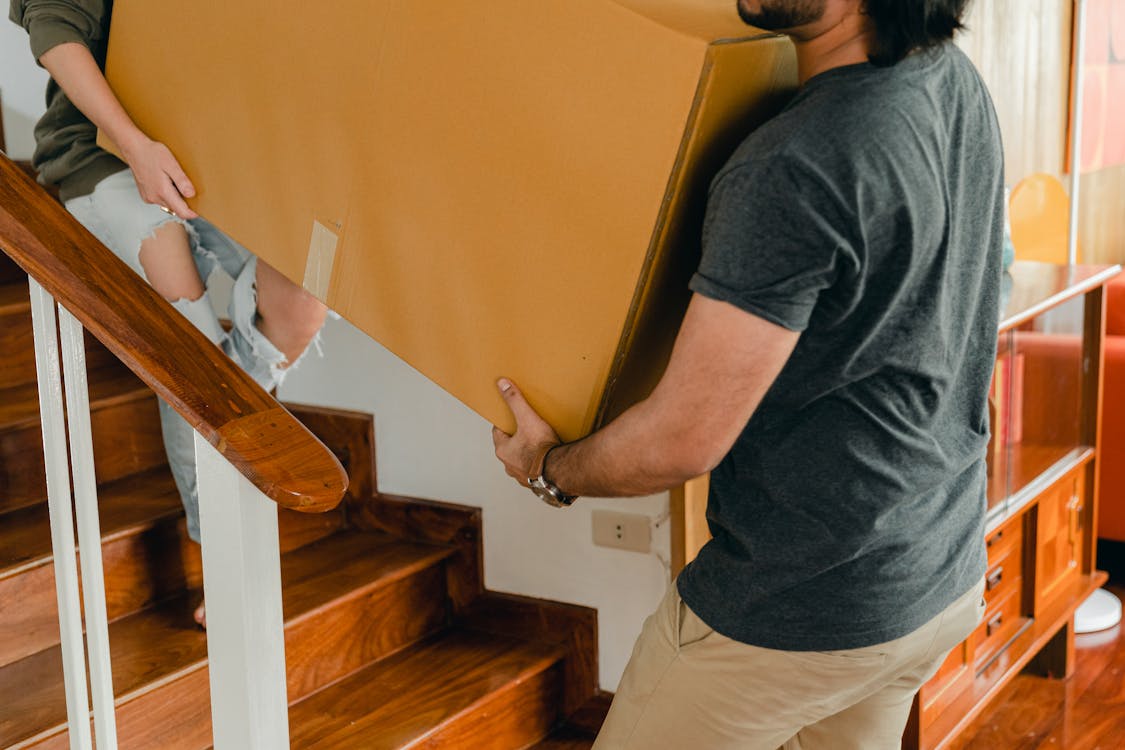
(287, 314)
(167, 260)
(168, 264)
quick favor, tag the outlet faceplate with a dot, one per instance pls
(628, 531)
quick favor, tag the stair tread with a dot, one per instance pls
(111, 385)
(14, 297)
(159, 643)
(405, 697)
(124, 505)
(348, 563)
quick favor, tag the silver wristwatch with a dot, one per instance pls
(545, 489)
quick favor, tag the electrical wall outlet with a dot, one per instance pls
(628, 531)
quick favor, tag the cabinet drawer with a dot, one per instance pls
(1001, 542)
(1002, 621)
(1005, 574)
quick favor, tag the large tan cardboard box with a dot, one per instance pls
(486, 187)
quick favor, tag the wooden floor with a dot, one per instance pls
(1085, 712)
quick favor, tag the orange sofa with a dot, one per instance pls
(1111, 503)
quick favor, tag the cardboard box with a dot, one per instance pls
(497, 187)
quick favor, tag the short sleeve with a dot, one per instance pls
(773, 240)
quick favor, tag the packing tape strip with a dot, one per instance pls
(321, 259)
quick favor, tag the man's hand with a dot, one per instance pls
(522, 452)
(160, 178)
(724, 361)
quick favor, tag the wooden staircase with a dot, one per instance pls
(391, 640)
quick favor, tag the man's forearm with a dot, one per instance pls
(722, 364)
(629, 458)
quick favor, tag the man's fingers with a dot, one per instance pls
(521, 410)
(499, 437)
(518, 451)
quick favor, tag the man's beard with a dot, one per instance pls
(777, 15)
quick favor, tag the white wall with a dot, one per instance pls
(22, 87)
(430, 445)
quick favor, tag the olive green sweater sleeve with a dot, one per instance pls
(66, 150)
(50, 23)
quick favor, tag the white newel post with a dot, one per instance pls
(242, 586)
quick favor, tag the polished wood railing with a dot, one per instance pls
(232, 412)
(251, 457)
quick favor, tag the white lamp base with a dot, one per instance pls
(1101, 611)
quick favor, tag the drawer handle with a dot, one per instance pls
(994, 625)
(994, 539)
(994, 578)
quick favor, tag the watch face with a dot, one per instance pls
(550, 494)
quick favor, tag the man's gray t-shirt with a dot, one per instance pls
(869, 216)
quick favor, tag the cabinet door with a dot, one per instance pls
(1059, 547)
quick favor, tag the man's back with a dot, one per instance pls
(869, 216)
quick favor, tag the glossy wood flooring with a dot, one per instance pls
(1085, 712)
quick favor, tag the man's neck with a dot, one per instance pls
(838, 39)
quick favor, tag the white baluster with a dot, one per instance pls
(242, 585)
(62, 519)
(89, 528)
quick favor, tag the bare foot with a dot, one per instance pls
(201, 615)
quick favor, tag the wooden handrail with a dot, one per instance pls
(244, 423)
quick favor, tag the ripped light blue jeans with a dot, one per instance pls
(116, 215)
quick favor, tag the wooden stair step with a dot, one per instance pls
(457, 691)
(17, 343)
(124, 506)
(145, 556)
(348, 599)
(109, 386)
(14, 298)
(567, 738)
(126, 431)
(581, 727)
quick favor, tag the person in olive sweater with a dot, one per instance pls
(137, 208)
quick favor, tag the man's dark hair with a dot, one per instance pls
(903, 26)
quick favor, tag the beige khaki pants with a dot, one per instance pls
(689, 688)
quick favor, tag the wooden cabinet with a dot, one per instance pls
(1041, 500)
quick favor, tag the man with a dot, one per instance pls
(832, 370)
(136, 208)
